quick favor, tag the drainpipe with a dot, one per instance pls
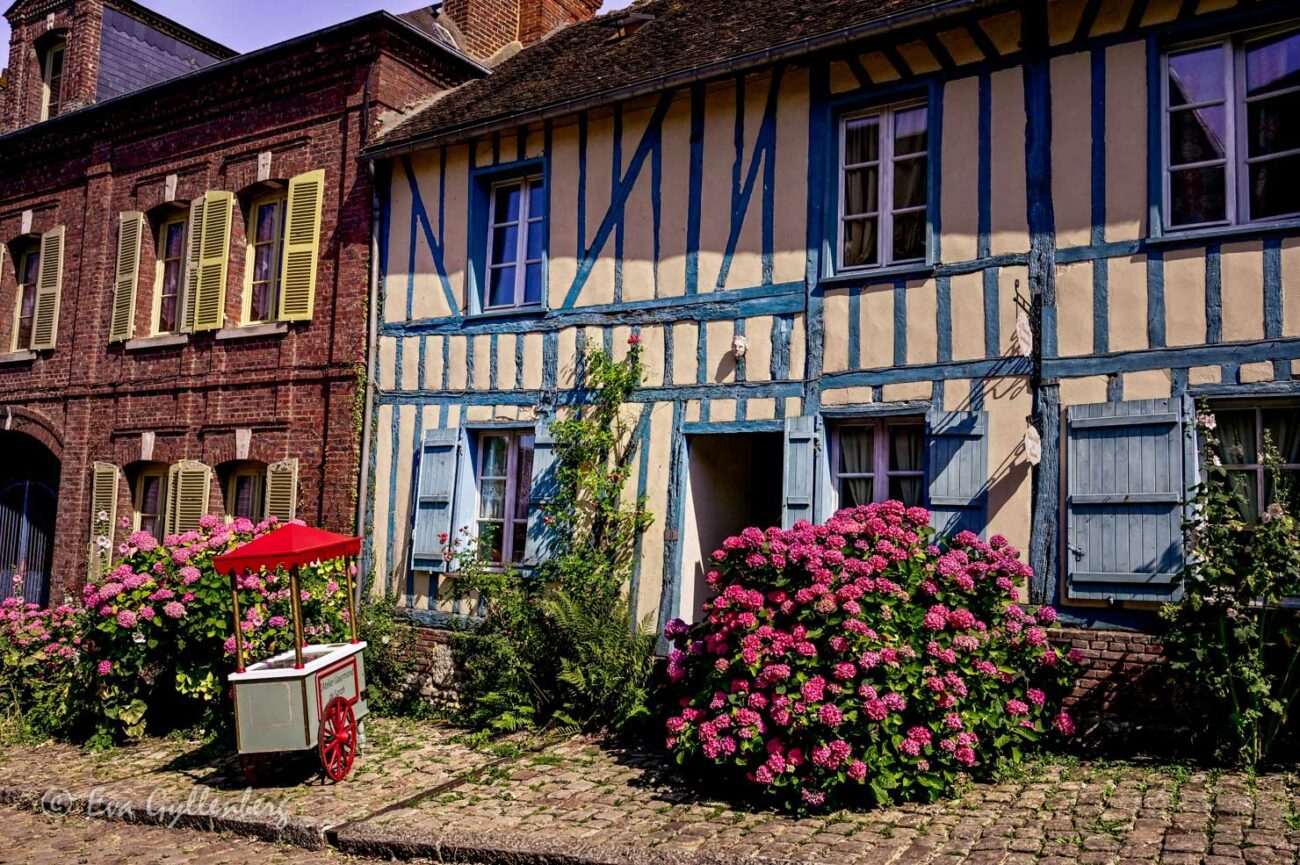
(372, 338)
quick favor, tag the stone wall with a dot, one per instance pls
(439, 682)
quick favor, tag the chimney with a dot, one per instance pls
(489, 26)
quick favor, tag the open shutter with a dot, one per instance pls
(214, 257)
(301, 246)
(49, 285)
(103, 518)
(434, 497)
(800, 469)
(193, 241)
(544, 490)
(957, 468)
(130, 232)
(282, 490)
(189, 484)
(1126, 484)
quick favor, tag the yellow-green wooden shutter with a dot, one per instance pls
(301, 246)
(49, 285)
(188, 486)
(282, 490)
(194, 237)
(214, 258)
(130, 232)
(103, 517)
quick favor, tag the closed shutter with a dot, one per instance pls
(957, 468)
(103, 518)
(543, 492)
(301, 246)
(49, 285)
(1126, 467)
(188, 485)
(800, 469)
(193, 241)
(214, 258)
(130, 232)
(282, 490)
(435, 493)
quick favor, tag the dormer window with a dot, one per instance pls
(52, 80)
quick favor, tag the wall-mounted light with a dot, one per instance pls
(739, 345)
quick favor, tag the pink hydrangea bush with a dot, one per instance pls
(864, 659)
(41, 663)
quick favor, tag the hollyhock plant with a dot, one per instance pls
(864, 659)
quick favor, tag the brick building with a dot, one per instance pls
(184, 260)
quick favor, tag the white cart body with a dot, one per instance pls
(278, 708)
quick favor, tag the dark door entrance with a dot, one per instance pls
(28, 504)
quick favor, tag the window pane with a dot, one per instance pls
(1282, 427)
(489, 535)
(171, 277)
(31, 266)
(244, 497)
(1196, 76)
(1273, 65)
(150, 494)
(536, 199)
(507, 203)
(1273, 187)
(1243, 483)
(1197, 134)
(28, 305)
(502, 290)
(175, 239)
(861, 191)
(906, 490)
(857, 449)
(860, 242)
(906, 444)
(520, 542)
(1197, 195)
(909, 182)
(533, 283)
(862, 142)
(536, 238)
(909, 236)
(267, 219)
(856, 491)
(523, 477)
(263, 262)
(1272, 125)
(1237, 437)
(1288, 497)
(910, 131)
(495, 456)
(492, 499)
(505, 244)
(167, 313)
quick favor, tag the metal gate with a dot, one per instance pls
(27, 510)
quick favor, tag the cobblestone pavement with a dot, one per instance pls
(37, 839)
(421, 792)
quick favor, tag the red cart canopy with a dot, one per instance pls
(289, 545)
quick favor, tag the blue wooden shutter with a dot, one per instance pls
(957, 468)
(545, 488)
(800, 469)
(1126, 484)
(435, 494)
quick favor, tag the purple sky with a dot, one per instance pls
(248, 24)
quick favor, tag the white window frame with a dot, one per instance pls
(33, 252)
(160, 272)
(880, 461)
(886, 212)
(47, 72)
(1236, 160)
(527, 222)
(508, 520)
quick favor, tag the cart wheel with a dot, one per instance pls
(338, 739)
(254, 766)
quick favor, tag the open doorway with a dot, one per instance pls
(734, 480)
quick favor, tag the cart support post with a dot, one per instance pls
(297, 617)
(239, 631)
(349, 565)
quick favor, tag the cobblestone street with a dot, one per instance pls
(420, 792)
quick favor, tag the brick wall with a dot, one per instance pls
(294, 390)
(490, 25)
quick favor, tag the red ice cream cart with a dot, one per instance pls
(314, 695)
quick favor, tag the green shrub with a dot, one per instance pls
(392, 660)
